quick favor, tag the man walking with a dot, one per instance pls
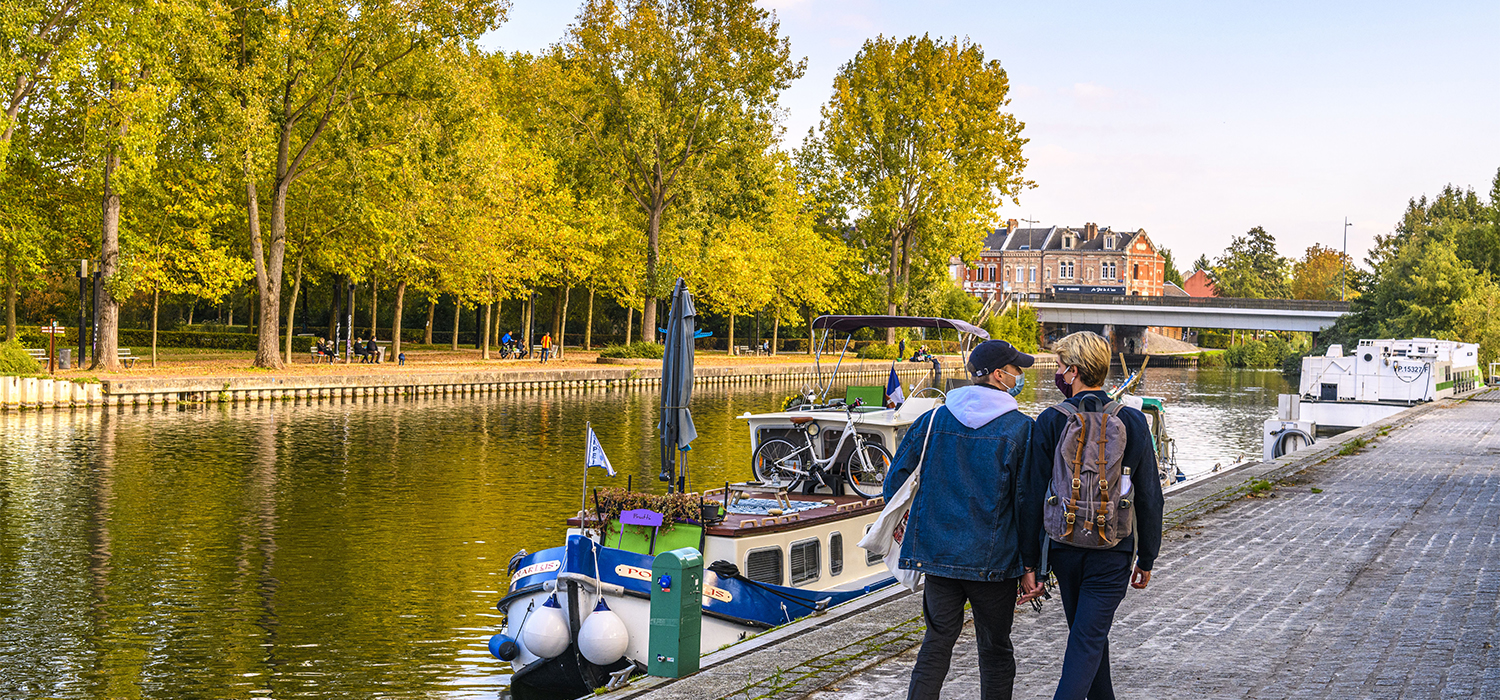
(546, 346)
(962, 528)
(1088, 510)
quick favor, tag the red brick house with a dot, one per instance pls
(1038, 261)
(1199, 284)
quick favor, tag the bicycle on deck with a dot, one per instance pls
(779, 461)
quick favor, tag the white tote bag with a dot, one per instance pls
(889, 530)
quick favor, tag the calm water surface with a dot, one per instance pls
(353, 550)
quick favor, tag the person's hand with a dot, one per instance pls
(1030, 589)
(1140, 578)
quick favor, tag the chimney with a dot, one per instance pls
(1090, 231)
(1012, 224)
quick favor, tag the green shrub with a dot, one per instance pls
(140, 339)
(1211, 358)
(640, 350)
(879, 351)
(15, 362)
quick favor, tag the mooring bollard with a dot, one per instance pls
(676, 613)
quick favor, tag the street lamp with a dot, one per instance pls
(83, 305)
(1344, 274)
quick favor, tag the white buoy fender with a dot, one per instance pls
(603, 637)
(546, 632)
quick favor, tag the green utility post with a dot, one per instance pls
(676, 613)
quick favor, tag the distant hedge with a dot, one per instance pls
(136, 338)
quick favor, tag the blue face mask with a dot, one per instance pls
(1020, 384)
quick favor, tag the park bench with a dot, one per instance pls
(127, 359)
(38, 354)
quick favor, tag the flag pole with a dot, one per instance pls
(583, 499)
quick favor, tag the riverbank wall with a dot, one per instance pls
(32, 393)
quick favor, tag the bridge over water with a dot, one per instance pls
(1189, 312)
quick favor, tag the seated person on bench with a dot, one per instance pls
(372, 351)
(357, 346)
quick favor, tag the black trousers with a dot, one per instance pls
(1092, 583)
(994, 604)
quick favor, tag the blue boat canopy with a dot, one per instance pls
(849, 324)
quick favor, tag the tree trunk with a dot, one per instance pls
(107, 354)
(396, 323)
(906, 245)
(495, 327)
(427, 333)
(155, 306)
(335, 309)
(374, 309)
(810, 342)
(191, 308)
(250, 311)
(775, 333)
(653, 236)
(731, 334)
(268, 262)
(890, 287)
(291, 314)
(458, 308)
(229, 306)
(526, 320)
(629, 323)
(588, 324)
(562, 327)
(10, 300)
(484, 350)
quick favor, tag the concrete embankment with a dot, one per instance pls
(1363, 566)
(25, 393)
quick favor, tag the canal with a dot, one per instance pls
(355, 549)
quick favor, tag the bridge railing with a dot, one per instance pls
(1202, 302)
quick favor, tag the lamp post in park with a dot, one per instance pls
(1344, 275)
(83, 306)
(52, 332)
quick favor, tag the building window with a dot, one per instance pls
(1109, 242)
(1047, 273)
(1137, 271)
(764, 565)
(992, 273)
(1065, 269)
(1007, 273)
(1032, 276)
(1108, 271)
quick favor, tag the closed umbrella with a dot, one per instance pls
(677, 430)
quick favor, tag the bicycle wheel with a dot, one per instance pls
(867, 468)
(779, 461)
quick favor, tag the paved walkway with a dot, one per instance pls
(1366, 571)
(1373, 575)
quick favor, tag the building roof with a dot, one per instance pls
(1169, 289)
(1051, 238)
(1199, 284)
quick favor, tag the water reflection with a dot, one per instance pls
(352, 549)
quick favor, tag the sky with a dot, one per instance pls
(1192, 120)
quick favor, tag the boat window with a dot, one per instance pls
(806, 564)
(764, 565)
(871, 558)
(836, 554)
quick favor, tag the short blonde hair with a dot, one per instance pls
(1087, 351)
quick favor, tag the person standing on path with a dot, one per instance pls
(961, 531)
(1092, 581)
(546, 347)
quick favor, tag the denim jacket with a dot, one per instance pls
(963, 521)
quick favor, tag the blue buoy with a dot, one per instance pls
(503, 647)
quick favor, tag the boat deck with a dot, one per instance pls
(829, 509)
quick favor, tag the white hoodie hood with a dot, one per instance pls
(974, 406)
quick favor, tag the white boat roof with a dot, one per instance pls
(888, 417)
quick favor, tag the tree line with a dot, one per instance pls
(195, 150)
(1436, 274)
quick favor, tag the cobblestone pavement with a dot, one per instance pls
(1370, 575)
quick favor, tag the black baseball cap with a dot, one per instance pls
(994, 354)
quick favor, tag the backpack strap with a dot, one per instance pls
(1072, 412)
(1068, 410)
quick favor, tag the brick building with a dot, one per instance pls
(1199, 284)
(1038, 261)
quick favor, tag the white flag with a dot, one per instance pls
(595, 455)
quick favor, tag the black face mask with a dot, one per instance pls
(1065, 387)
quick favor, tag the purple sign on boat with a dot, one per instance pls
(643, 516)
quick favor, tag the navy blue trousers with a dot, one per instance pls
(994, 605)
(1092, 583)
